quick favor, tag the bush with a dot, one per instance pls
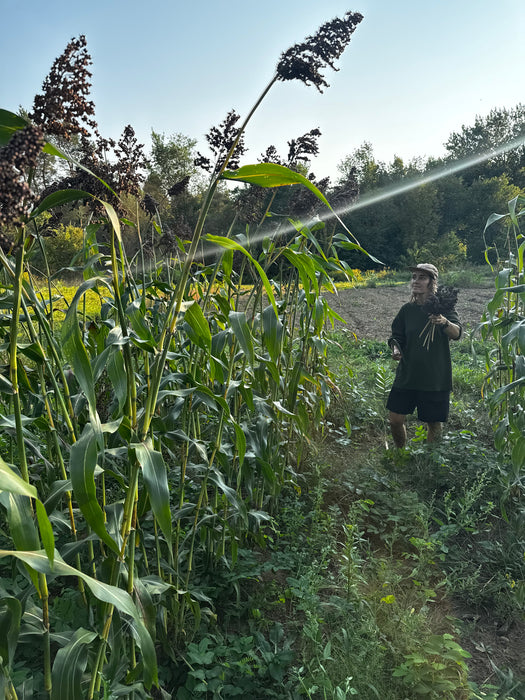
(445, 252)
(60, 248)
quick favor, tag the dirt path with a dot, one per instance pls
(368, 311)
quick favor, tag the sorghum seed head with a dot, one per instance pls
(305, 61)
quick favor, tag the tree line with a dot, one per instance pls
(400, 211)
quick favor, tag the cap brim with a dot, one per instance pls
(422, 269)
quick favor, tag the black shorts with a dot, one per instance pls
(432, 406)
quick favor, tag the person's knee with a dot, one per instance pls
(396, 420)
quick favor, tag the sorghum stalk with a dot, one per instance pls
(63, 472)
(13, 359)
(128, 360)
(13, 372)
(177, 297)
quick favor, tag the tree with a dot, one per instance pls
(172, 159)
(362, 165)
(484, 198)
(486, 137)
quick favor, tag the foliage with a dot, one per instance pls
(147, 443)
(61, 247)
(437, 670)
(487, 135)
(236, 666)
(504, 323)
(446, 252)
(169, 526)
(405, 208)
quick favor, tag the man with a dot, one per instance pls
(424, 374)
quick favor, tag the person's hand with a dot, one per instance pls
(396, 353)
(438, 320)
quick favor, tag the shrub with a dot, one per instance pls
(60, 248)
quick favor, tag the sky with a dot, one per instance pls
(415, 71)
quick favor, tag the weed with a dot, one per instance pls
(437, 670)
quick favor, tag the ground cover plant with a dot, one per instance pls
(197, 493)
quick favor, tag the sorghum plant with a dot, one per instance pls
(144, 444)
(504, 322)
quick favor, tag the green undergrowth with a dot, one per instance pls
(430, 528)
(354, 588)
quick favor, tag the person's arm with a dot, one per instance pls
(396, 341)
(450, 328)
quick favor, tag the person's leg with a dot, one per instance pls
(432, 408)
(398, 428)
(434, 432)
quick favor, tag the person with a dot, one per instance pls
(424, 375)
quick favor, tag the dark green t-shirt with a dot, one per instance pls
(426, 367)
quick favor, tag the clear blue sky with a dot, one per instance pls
(415, 70)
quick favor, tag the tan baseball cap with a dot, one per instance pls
(430, 269)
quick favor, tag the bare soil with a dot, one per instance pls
(369, 311)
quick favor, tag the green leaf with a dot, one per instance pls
(58, 198)
(156, 479)
(135, 312)
(198, 327)
(46, 530)
(518, 453)
(112, 595)
(11, 120)
(10, 616)
(82, 463)
(240, 442)
(75, 352)
(12, 482)
(21, 522)
(242, 333)
(6, 386)
(69, 666)
(112, 214)
(306, 268)
(272, 175)
(230, 494)
(492, 219)
(22, 527)
(273, 331)
(9, 123)
(233, 245)
(117, 376)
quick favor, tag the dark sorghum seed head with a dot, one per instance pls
(179, 187)
(63, 108)
(271, 156)
(220, 140)
(16, 158)
(250, 203)
(299, 149)
(305, 61)
(130, 162)
(169, 242)
(123, 173)
(149, 204)
(202, 162)
(6, 244)
(303, 202)
(442, 302)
